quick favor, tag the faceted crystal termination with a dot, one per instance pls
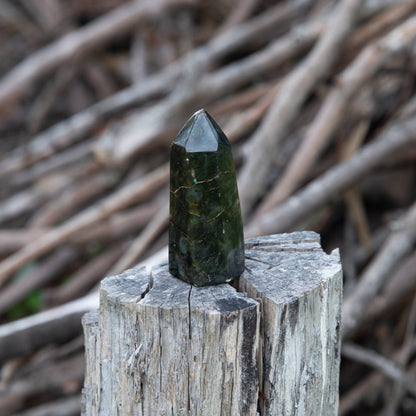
(206, 242)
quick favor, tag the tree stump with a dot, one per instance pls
(299, 288)
(159, 346)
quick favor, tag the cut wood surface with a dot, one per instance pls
(159, 346)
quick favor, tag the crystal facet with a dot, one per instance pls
(206, 242)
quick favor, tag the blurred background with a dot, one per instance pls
(317, 99)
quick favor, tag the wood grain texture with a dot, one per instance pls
(300, 290)
(159, 346)
(92, 370)
(164, 347)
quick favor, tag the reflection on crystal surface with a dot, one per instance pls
(206, 242)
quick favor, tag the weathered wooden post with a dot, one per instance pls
(197, 346)
(299, 288)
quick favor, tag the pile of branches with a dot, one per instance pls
(317, 99)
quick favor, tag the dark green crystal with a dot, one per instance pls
(206, 242)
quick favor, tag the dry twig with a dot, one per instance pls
(333, 110)
(117, 201)
(71, 130)
(340, 177)
(117, 226)
(85, 278)
(294, 91)
(68, 406)
(78, 43)
(371, 358)
(135, 135)
(55, 325)
(371, 384)
(50, 269)
(140, 244)
(400, 287)
(396, 247)
(405, 354)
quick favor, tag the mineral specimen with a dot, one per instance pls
(206, 242)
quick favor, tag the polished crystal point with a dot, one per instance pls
(206, 242)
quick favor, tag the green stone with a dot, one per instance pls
(206, 241)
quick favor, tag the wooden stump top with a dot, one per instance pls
(283, 267)
(160, 346)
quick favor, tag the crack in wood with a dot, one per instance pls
(287, 249)
(296, 298)
(260, 261)
(253, 244)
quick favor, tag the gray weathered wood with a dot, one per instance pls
(299, 288)
(92, 370)
(159, 346)
(162, 347)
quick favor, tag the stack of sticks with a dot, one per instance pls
(317, 99)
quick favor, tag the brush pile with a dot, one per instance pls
(318, 100)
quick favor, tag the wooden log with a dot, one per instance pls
(159, 346)
(163, 347)
(299, 288)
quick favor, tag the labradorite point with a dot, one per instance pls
(206, 242)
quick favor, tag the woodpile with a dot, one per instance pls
(317, 99)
